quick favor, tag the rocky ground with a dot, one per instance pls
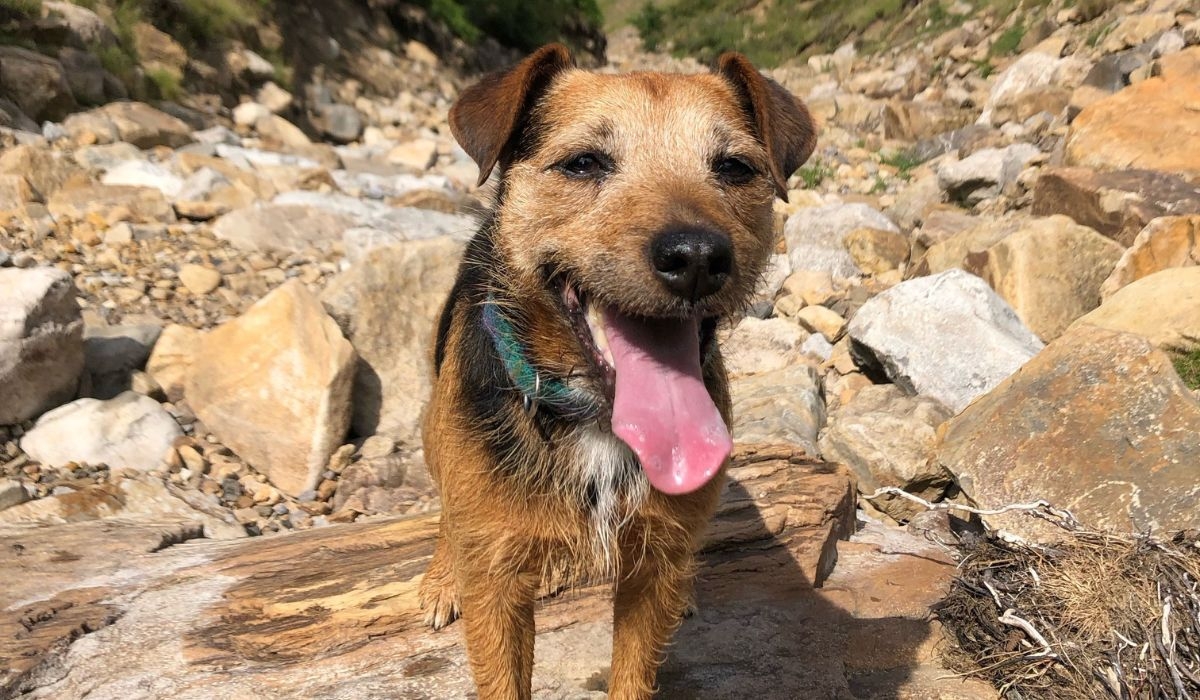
(213, 325)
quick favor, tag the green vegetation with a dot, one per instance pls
(1008, 42)
(650, 22)
(985, 68)
(904, 161)
(815, 173)
(166, 83)
(1188, 366)
(20, 8)
(523, 24)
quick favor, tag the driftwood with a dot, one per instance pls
(107, 609)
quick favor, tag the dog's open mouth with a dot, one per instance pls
(661, 408)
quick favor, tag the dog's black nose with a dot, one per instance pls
(693, 262)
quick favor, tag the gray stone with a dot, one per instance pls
(113, 353)
(1111, 72)
(281, 227)
(781, 406)
(86, 28)
(406, 224)
(387, 305)
(986, 172)
(888, 438)
(757, 345)
(341, 123)
(107, 156)
(143, 173)
(12, 493)
(85, 75)
(1031, 71)
(1098, 423)
(816, 236)
(129, 431)
(36, 83)
(41, 342)
(949, 336)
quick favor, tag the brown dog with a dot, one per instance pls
(577, 426)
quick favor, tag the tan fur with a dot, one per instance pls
(501, 537)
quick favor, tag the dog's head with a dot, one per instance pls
(635, 205)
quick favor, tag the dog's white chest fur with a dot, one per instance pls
(612, 475)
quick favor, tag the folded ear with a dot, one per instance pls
(488, 114)
(783, 123)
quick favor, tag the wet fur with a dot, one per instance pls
(533, 497)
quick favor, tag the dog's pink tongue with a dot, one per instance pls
(662, 409)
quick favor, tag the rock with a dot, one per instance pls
(85, 27)
(11, 117)
(274, 385)
(387, 305)
(157, 51)
(985, 173)
(416, 51)
(780, 527)
(132, 122)
(1136, 29)
(816, 237)
(875, 251)
(1030, 71)
(1163, 307)
(172, 358)
(948, 336)
(1117, 204)
(1111, 73)
(85, 75)
(341, 123)
(199, 280)
(1111, 134)
(785, 404)
(12, 493)
(107, 156)
(36, 83)
(248, 113)
(818, 319)
(913, 121)
(143, 173)
(957, 249)
(418, 154)
(762, 345)
(274, 98)
(279, 132)
(281, 227)
(45, 170)
(41, 342)
(405, 224)
(1098, 423)
(887, 439)
(129, 431)
(113, 353)
(1049, 271)
(112, 203)
(1171, 241)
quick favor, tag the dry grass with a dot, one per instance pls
(1094, 616)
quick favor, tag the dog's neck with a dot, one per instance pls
(537, 389)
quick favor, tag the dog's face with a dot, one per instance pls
(634, 207)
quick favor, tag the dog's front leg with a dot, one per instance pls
(651, 596)
(497, 610)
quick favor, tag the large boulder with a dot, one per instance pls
(1050, 271)
(1150, 125)
(1030, 72)
(41, 342)
(35, 82)
(111, 203)
(948, 336)
(1099, 423)
(286, 228)
(132, 122)
(129, 431)
(387, 305)
(275, 386)
(1163, 307)
(1171, 241)
(887, 438)
(816, 236)
(985, 173)
(785, 405)
(1118, 204)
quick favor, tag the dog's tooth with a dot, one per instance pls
(595, 322)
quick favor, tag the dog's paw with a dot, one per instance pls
(439, 600)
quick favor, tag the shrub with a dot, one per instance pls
(650, 23)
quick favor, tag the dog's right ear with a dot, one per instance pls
(487, 115)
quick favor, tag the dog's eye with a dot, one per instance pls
(734, 171)
(585, 165)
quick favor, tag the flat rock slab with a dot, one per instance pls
(332, 613)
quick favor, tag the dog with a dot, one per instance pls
(578, 423)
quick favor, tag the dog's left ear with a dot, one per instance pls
(783, 122)
(488, 114)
